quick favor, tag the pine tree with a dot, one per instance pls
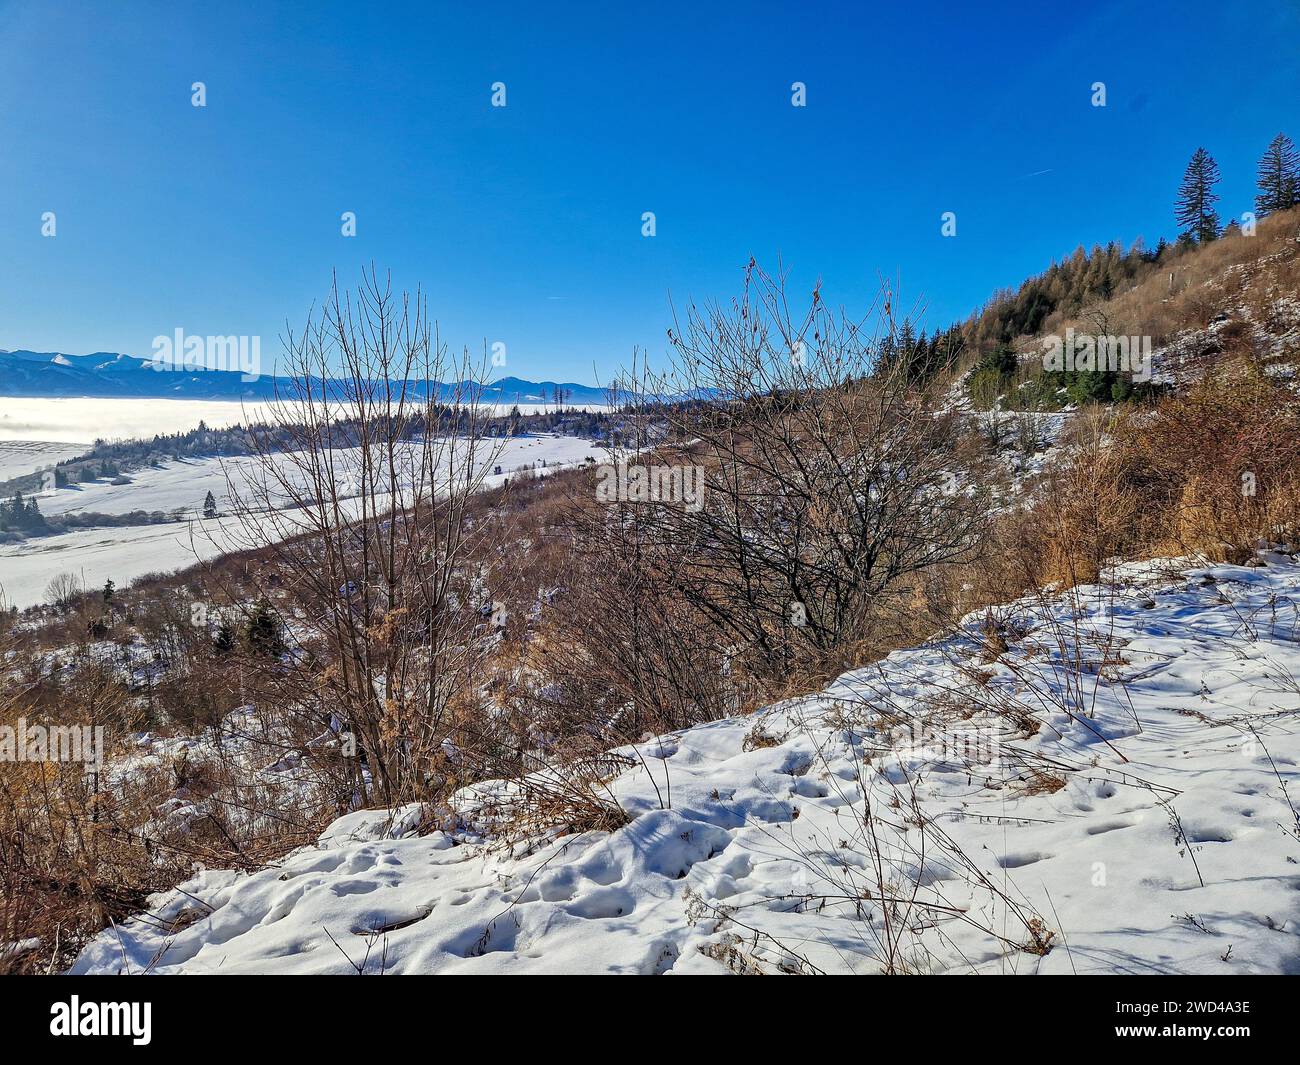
(262, 633)
(1196, 198)
(209, 506)
(1279, 177)
(223, 643)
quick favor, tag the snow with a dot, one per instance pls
(88, 420)
(21, 457)
(182, 485)
(240, 744)
(1134, 819)
(1029, 442)
(124, 554)
(98, 555)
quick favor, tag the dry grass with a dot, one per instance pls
(1204, 281)
(1087, 510)
(1217, 467)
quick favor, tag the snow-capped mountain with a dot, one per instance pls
(104, 374)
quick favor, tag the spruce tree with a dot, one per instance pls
(262, 632)
(1279, 177)
(1196, 198)
(223, 643)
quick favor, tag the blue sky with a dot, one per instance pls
(523, 223)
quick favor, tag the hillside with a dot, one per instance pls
(1090, 783)
(1012, 689)
(1238, 296)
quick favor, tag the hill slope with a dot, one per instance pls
(1135, 819)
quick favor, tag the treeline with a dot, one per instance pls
(921, 357)
(986, 339)
(1084, 278)
(1095, 276)
(205, 442)
(201, 442)
(21, 518)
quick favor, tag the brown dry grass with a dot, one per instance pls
(1212, 471)
(1217, 467)
(1088, 509)
(1204, 280)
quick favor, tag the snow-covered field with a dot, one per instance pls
(1121, 808)
(21, 457)
(183, 485)
(123, 554)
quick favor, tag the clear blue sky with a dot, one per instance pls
(524, 223)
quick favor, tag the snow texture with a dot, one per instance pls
(1134, 819)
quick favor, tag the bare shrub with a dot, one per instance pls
(1216, 466)
(63, 591)
(828, 479)
(1087, 510)
(374, 543)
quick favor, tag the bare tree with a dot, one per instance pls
(756, 534)
(828, 476)
(64, 590)
(365, 515)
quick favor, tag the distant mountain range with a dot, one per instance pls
(107, 375)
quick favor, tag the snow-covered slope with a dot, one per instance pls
(21, 457)
(1088, 783)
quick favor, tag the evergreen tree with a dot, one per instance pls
(21, 514)
(209, 506)
(223, 643)
(1279, 177)
(262, 633)
(1196, 198)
